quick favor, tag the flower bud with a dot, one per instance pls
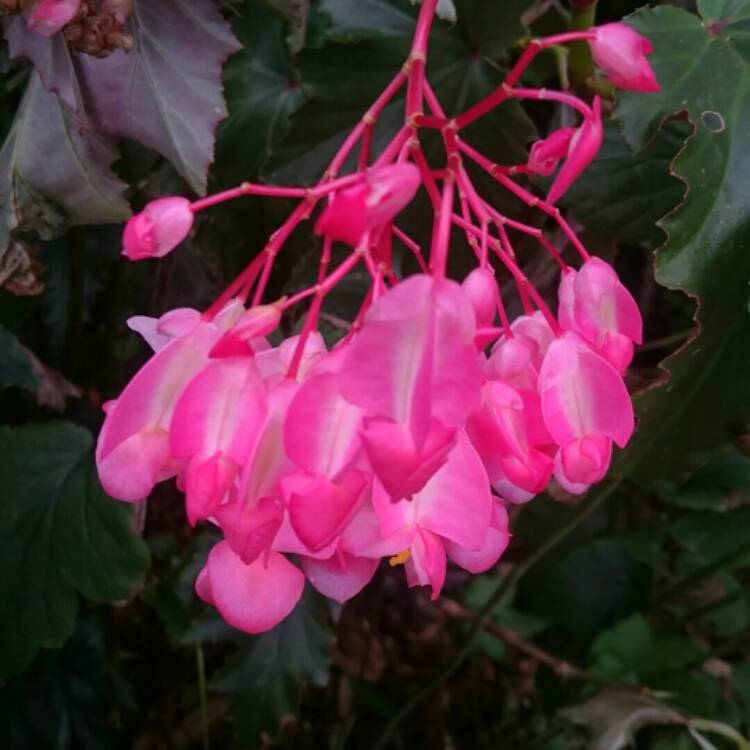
(159, 228)
(370, 204)
(47, 17)
(583, 148)
(620, 52)
(547, 152)
(481, 289)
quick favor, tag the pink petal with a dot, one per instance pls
(222, 409)
(321, 430)
(456, 503)
(319, 514)
(48, 17)
(340, 577)
(206, 483)
(583, 394)
(426, 565)
(250, 529)
(481, 290)
(399, 465)
(158, 229)
(362, 536)
(545, 154)
(586, 460)
(130, 471)
(494, 545)
(252, 598)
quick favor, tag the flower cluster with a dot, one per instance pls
(409, 438)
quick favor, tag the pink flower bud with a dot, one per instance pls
(159, 228)
(256, 322)
(481, 289)
(370, 204)
(621, 53)
(546, 153)
(47, 17)
(584, 146)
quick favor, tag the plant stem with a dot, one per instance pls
(202, 694)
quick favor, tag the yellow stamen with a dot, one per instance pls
(399, 559)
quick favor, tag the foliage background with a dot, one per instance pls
(616, 620)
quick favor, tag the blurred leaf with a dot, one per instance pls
(621, 194)
(60, 535)
(712, 486)
(265, 678)
(65, 701)
(585, 589)
(703, 70)
(710, 537)
(15, 365)
(632, 652)
(55, 170)
(615, 717)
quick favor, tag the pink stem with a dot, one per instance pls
(441, 237)
(552, 96)
(500, 94)
(413, 246)
(418, 58)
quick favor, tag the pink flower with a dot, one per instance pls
(414, 371)
(159, 228)
(132, 452)
(595, 304)
(370, 204)
(481, 290)
(455, 505)
(47, 17)
(251, 597)
(620, 52)
(546, 153)
(585, 406)
(583, 147)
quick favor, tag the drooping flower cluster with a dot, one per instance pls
(409, 438)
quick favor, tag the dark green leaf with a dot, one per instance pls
(266, 677)
(622, 195)
(15, 365)
(263, 91)
(60, 535)
(55, 169)
(723, 480)
(584, 589)
(704, 70)
(713, 536)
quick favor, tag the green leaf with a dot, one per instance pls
(265, 678)
(263, 91)
(713, 486)
(55, 169)
(584, 589)
(709, 537)
(60, 535)
(622, 195)
(630, 651)
(703, 66)
(15, 365)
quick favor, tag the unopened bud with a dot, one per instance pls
(158, 229)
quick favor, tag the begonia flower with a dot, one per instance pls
(620, 51)
(595, 304)
(546, 153)
(583, 147)
(370, 204)
(158, 229)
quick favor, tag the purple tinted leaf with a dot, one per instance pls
(167, 92)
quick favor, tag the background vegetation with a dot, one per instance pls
(619, 619)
